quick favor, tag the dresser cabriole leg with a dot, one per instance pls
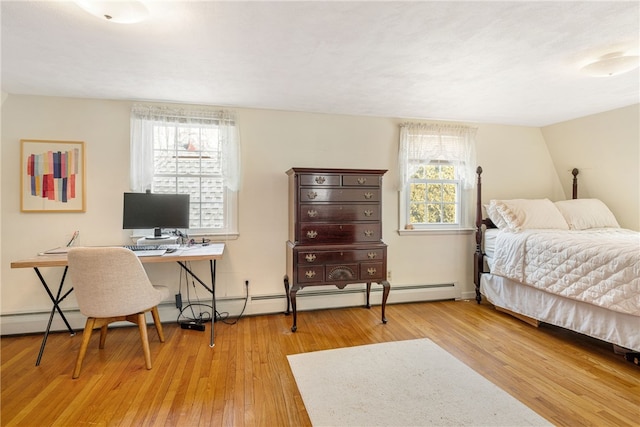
(286, 292)
(368, 294)
(292, 295)
(386, 287)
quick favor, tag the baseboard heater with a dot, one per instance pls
(304, 293)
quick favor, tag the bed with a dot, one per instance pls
(565, 263)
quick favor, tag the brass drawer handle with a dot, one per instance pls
(312, 213)
(372, 271)
(368, 233)
(310, 257)
(368, 195)
(309, 274)
(312, 195)
(312, 234)
(368, 212)
(362, 181)
(320, 179)
(371, 255)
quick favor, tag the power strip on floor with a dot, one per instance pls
(195, 326)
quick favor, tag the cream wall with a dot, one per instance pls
(515, 159)
(606, 149)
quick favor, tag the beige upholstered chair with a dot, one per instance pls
(111, 285)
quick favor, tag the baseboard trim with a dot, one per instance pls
(308, 299)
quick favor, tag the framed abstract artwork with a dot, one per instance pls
(52, 176)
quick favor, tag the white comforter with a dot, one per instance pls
(600, 267)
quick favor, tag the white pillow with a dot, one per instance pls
(521, 214)
(582, 214)
(494, 215)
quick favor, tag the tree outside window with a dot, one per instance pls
(434, 195)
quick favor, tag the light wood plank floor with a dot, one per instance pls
(245, 379)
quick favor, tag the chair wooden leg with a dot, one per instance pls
(156, 321)
(103, 335)
(86, 336)
(142, 326)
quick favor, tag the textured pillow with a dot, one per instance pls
(494, 215)
(582, 214)
(522, 214)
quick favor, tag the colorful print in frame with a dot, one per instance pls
(52, 176)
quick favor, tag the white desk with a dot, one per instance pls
(211, 253)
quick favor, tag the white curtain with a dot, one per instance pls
(422, 143)
(143, 118)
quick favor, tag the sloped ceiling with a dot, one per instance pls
(494, 62)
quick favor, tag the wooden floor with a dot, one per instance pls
(245, 379)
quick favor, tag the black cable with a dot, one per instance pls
(205, 316)
(246, 298)
(220, 317)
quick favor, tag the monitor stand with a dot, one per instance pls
(165, 240)
(157, 234)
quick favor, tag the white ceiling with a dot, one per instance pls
(490, 62)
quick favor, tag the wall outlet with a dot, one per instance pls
(389, 275)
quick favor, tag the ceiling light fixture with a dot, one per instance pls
(121, 12)
(611, 64)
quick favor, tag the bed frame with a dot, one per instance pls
(620, 329)
(484, 223)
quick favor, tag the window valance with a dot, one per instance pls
(145, 117)
(422, 143)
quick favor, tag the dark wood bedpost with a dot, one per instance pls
(575, 173)
(478, 256)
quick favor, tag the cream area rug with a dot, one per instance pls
(402, 383)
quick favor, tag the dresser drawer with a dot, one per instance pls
(361, 180)
(372, 271)
(336, 273)
(340, 256)
(337, 212)
(309, 194)
(311, 233)
(311, 274)
(324, 180)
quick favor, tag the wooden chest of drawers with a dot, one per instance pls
(335, 231)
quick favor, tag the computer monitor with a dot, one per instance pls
(157, 211)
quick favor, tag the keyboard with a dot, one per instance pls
(137, 248)
(151, 250)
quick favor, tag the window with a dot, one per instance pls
(436, 169)
(434, 195)
(189, 151)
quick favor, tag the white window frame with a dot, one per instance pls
(147, 117)
(458, 200)
(424, 144)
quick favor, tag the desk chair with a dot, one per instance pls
(111, 286)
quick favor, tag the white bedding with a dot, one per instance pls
(489, 241)
(610, 326)
(596, 266)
